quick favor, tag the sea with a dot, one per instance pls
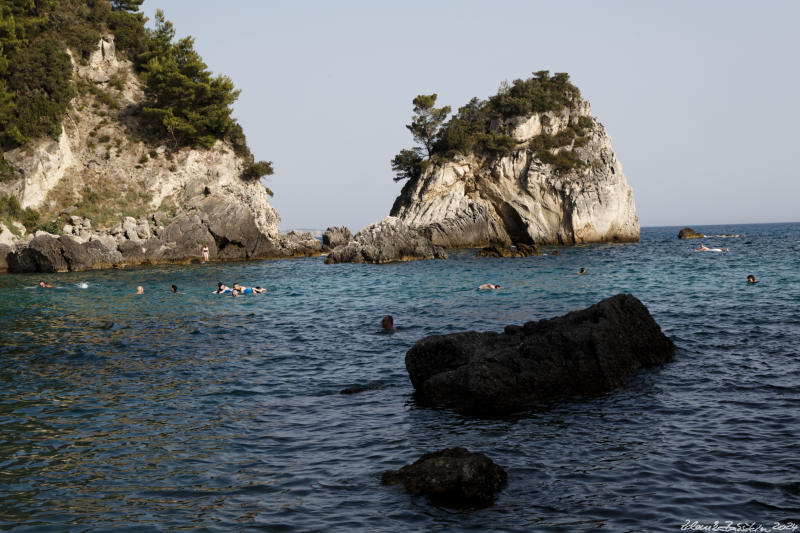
(195, 411)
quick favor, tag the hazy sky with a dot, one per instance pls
(700, 98)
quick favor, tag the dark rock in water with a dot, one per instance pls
(517, 250)
(5, 251)
(44, 253)
(361, 388)
(581, 353)
(336, 236)
(386, 241)
(689, 233)
(555, 252)
(454, 477)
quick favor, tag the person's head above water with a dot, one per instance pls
(43, 284)
(174, 288)
(139, 290)
(751, 279)
(582, 271)
(387, 322)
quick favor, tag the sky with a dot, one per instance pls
(700, 98)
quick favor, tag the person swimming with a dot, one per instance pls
(174, 288)
(139, 290)
(222, 288)
(582, 271)
(751, 279)
(490, 286)
(704, 248)
(44, 285)
(387, 323)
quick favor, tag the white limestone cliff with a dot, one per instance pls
(476, 200)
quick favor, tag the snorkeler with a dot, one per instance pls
(221, 288)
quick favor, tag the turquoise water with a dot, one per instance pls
(203, 412)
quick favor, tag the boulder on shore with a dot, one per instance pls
(581, 353)
(385, 241)
(689, 233)
(5, 251)
(454, 477)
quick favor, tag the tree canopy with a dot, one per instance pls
(471, 129)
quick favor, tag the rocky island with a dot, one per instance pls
(528, 166)
(128, 170)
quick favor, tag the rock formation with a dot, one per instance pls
(386, 241)
(689, 233)
(454, 477)
(148, 202)
(336, 236)
(581, 353)
(478, 200)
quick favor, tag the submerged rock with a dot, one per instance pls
(581, 353)
(386, 241)
(517, 250)
(689, 233)
(454, 477)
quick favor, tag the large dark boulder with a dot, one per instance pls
(336, 236)
(581, 353)
(44, 253)
(454, 477)
(689, 233)
(386, 241)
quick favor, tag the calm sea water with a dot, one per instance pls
(204, 412)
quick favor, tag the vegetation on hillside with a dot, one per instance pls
(471, 130)
(186, 104)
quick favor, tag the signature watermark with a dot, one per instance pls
(730, 525)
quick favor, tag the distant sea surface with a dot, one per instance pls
(203, 412)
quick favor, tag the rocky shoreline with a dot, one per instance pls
(227, 229)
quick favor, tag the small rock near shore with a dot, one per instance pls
(454, 477)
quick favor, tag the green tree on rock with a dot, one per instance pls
(424, 128)
(427, 120)
(190, 105)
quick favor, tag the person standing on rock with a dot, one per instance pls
(205, 254)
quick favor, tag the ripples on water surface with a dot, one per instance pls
(202, 412)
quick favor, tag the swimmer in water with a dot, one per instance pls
(704, 248)
(222, 288)
(174, 288)
(387, 323)
(489, 286)
(751, 279)
(139, 290)
(582, 271)
(44, 285)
